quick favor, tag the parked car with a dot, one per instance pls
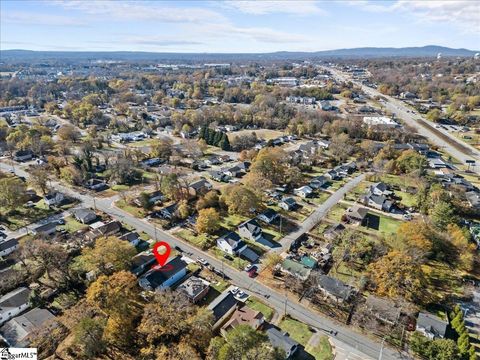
(248, 267)
(253, 272)
(228, 257)
(234, 290)
(202, 261)
(3, 235)
(178, 248)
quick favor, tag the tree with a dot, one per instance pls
(270, 164)
(465, 250)
(68, 132)
(209, 200)
(416, 237)
(13, 193)
(39, 178)
(410, 161)
(272, 259)
(434, 115)
(240, 200)
(171, 319)
(145, 201)
(442, 215)
(183, 210)
(117, 294)
(208, 221)
(243, 343)
(88, 334)
(108, 255)
(162, 148)
(443, 349)
(396, 274)
(341, 146)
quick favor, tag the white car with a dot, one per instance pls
(234, 290)
(248, 267)
(202, 261)
(240, 294)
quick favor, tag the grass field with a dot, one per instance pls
(72, 225)
(135, 211)
(265, 134)
(257, 305)
(322, 350)
(200, 240)
(297, 330)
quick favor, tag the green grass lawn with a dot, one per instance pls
(200, 240)
(320, 198)
(72, 225)
(135, 211)
(257, 305)
(297, 330)
(322, 350)
(236, 263)
(231, 221)
(337, 212)
(388, 225)
(23, 216)
(120, 187)
(408, 200)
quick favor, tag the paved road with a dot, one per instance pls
(313, 219)
(351, 342)
(462, 152)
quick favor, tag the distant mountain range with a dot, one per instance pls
(365, 52)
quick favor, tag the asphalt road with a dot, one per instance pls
(402, 111)
(321, 210)
(360, 346)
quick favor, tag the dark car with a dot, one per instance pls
(228, 257)
(178, 248)
(253, 272)
(3, 235)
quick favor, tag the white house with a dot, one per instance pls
(8, 246)
(231, 243)
(54, 198)
(13, 303)
(304, 191)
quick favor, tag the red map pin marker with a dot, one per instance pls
(165, 252)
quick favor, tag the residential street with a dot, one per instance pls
(319, 213)
(462, 152)
(353, 344)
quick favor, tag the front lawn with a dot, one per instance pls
(72, 225)
(297, 330)
(200, 240)
(322, 350)
(134, 210)
(257, 305)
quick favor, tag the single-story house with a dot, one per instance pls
(383, 309)
(288, 203)
(96, 184)
(108, 229)
(335, 289)
(54, 198)
(142, 262)
(222, 308)
(8, 246)
(295, 269)
(243, 316)
(304, 191)
(84, 215)
(23, 155)
(318, 182)
(268, 216)
(16, 331)
(168, 212)
(173, 271)
(194, 288)
(132, 237)
(281, 340)
(14, 303)
(199, 187)
(356, 214)
(334, 231)
(45, 229)
(431, 325)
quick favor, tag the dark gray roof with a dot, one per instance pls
(249, 254)
(157, 278)
(281, 340)
(131, 236)
(4, 245)
(17, 329)
(15, 298)
(233, 239)
(432, 324)
(84, 213)
(222, 304)
(192, 286)
(252, 226)
(335, 287)
(45, 227)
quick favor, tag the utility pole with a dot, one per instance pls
(381, 350)
(155, 230)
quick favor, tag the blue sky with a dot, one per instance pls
(236, 26)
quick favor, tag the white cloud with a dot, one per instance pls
(18, 17)
(276, 6)
(464, 14)
(140, 10)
